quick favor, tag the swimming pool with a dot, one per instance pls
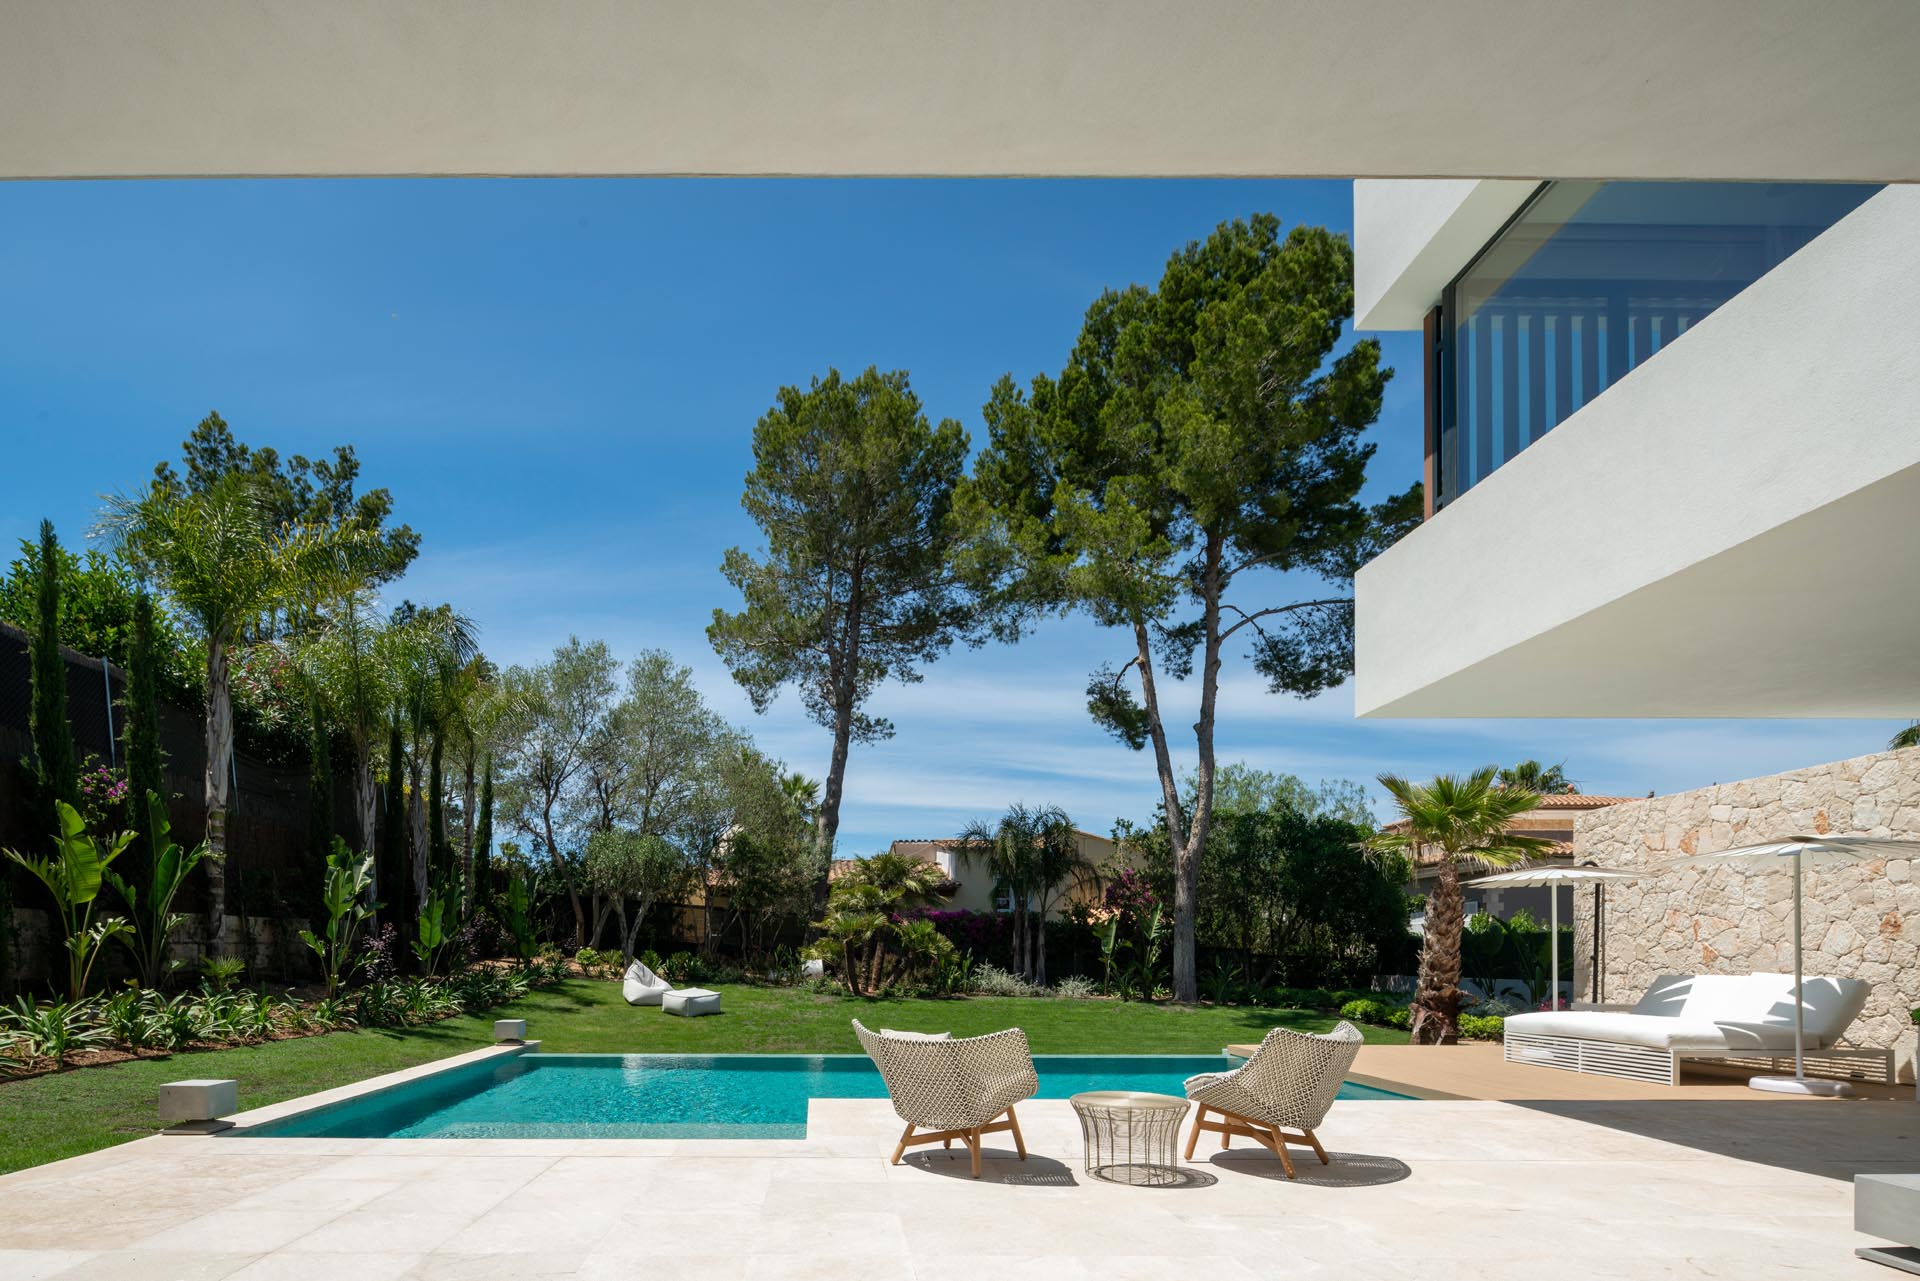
(677, 1096)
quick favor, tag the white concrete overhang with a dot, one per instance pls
(1756, 89)
(1733, 529)
(1411, 236)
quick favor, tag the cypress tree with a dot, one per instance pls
(55, 767)
(146, 763)
(396, 869)
(439, 853)
(482, 891)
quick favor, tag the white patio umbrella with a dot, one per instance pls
(1791, 853)
(1552, 876)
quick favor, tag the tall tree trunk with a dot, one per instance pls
(365, 794)
(219, 752)
(566, 878)
(417, 827)
(146, 768)
(1186, 893)
(827, 820)
(1436, 1000)
(1186, 857)
(468, 797)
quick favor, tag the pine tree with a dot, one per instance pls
(55, 768)
(146, 763)
(396, 870)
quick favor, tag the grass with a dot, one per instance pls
(65, 1114)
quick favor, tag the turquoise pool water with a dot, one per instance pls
(678, 1096)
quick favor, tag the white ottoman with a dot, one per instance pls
(690, 1001)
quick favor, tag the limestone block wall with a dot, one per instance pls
(1861, 921)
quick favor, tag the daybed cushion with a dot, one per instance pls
(1652, 1030)
(1708, 1012)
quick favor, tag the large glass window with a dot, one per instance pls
(1587, 281)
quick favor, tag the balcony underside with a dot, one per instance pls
(1732, 529)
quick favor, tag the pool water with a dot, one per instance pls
(679, 1096)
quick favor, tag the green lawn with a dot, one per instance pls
(49, 1117)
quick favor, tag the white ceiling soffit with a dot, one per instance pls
(1760, 89)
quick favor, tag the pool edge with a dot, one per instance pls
(244, 1122)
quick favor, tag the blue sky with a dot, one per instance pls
(559, 379)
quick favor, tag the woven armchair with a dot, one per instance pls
(959, 1089)
(1278, 1096)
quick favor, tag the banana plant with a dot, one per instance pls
(154, 919)
(430, 936)
(73, 876)
(347, 898)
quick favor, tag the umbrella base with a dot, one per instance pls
(1801, 1085)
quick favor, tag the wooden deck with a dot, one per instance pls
(1477, 1071)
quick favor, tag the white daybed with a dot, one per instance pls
(1742, 1018)
(642, 986)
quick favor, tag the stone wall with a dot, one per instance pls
(1861, 921)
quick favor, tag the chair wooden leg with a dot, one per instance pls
(904, 1136)
(1318, 1151)
(973, 1142)
(947, 1144)
(1019, 1142)
(1193, 1135)
(1280, 1150)
(1225, 1139)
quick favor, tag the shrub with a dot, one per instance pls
(51, 1031)
(1076, 987)
(602, 964)
(1482, 1027)
(379, 955)
(991, 980)
(1365, 1010)
(682, 967)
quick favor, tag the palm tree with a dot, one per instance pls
(1532, 776)
(1908, 737)
(1030, 853)
(1449, 823)
(861, 907)
(429, 649)
(219, 556)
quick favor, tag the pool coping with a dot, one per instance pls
(244, 1124)
(244, 1121)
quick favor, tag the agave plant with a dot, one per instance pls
(129, 1020)
(178, 1021)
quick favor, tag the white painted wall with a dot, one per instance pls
(1411, 236)
(1733, 529)
(1565, 88)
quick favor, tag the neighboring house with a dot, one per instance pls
(1553, 820)
(973, 884)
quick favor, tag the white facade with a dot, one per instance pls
(1728, 531)
(1731, 529)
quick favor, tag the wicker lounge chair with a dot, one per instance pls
(1278, 1096)
(954, 1089)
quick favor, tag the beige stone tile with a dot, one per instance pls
(356, 1266)
(443, 1266)
(121, 1265)
(32, 1265)
(362, 1232)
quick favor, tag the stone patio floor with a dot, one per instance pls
(1733, 1187)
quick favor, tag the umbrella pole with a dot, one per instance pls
(1799, 998)
(1553, 942)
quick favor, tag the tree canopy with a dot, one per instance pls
(1192, 478)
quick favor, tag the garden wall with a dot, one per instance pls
(1861, 921)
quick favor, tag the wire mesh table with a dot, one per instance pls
(1131, 1137)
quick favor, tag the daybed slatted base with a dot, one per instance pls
(1662, 1067)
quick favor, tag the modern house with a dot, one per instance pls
(1696, 402)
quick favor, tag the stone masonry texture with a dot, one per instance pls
(1861, 920)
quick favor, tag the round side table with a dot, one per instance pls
(1131, 1137)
